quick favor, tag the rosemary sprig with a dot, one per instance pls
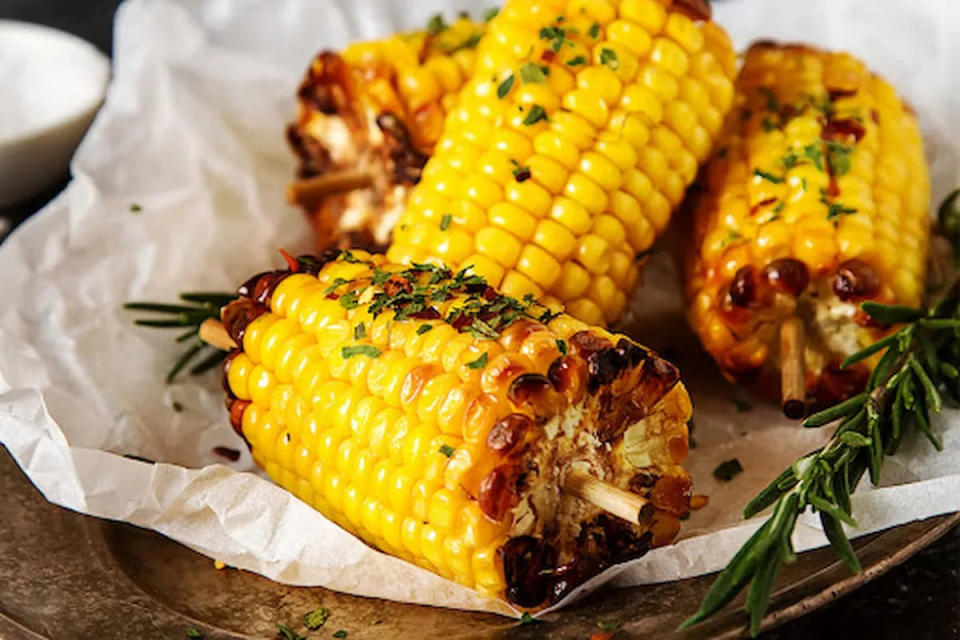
(201, 306)
(918, 362)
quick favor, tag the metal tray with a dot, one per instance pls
(65, 575)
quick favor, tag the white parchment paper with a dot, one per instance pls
(192, 132)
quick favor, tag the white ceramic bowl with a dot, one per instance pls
(51, 85)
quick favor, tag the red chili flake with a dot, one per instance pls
(226, 452)
(292, 262)
(844, 130)
(548, 55)
(395, 284)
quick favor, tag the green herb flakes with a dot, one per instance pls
(731, 237)
(576, 61)
(286, 633)
(726, 471)
(789, 160)
(562, 346)
(815, 155)
(359, 332)
(490, 14)
(839, 158)
(436, 25)
(608, 626)
(769, 125)
(446, 450)
(526, 618)
(769, 177)
(445, 221)
(504, 87)
(535, 115)
(609, 58)
(359, 350)
(479, 363)
(195, 634)
(315, 619)
(594, 30)
(532, 73)
(522, 174)
(135, 208)
(349, 300)
(422, 329)
(342, 633)
(772, 104)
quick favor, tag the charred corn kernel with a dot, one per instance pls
(817, 201)
(590, 103)
(356, 106)
(434, 448)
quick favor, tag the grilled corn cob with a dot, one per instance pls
(570, 147)
(437, 419)
(377, 110)
(816, 200)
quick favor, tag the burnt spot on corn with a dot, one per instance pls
(238, 315)
(529, 389)
(743, 287)
(584, 343)
(498, 491)
(855, 280)
(787, 275)
(526, 564)
(567, 374)
(508, 434)
(603, 367)
(328, 87)
(408, 161)
(844, 130)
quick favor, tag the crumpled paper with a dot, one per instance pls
(192, 133)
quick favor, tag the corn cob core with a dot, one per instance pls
(570, 147)
(436, 419)
(379, 107)
(816, 200)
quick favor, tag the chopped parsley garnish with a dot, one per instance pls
(479, 363)
(535, 115)
(194, 634)
(135, 208)
(490, 14)
(789, 160)
(504, 87)
(533, 73)
(835, 210)
(576, 60)
(839, 158)
(521, 173)
(315, 619)
(562, 346)
(730, 238)
(342, 633)
(556, 36)
(286, 633)
(347, 256)
(349, 300)
(769, 177)
(336, 284)
(780, 206)
(772, 104)
(422, 329)
(445, 221)
(359, 332)
(608, 626)
(609, 58)
(742, 406)
(526, 618)
(469, 43)
(446, 450)
(815, 155)
(359, 350)
(594, 30)
(769, 125)
(436, 25)
(727, 470)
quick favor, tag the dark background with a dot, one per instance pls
(919, 600)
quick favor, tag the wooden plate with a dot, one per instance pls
(64, 575)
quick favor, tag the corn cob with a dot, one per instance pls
(570, 147)
(437, 419)
(816, 200)
(375, 112)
